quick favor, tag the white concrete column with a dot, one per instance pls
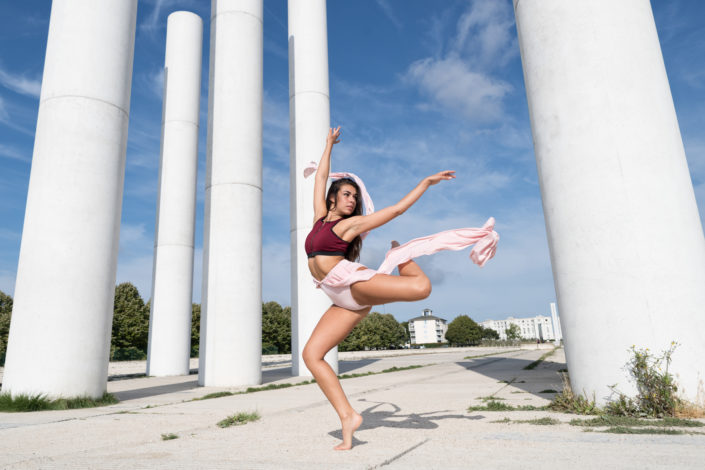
(231, 315)
(624, 233)
(309, 120)
(557, 336)
(62, 316)
(172, 276)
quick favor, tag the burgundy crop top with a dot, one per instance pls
(325, 242)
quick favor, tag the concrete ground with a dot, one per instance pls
(414, 418)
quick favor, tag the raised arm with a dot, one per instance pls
(319, 189)
(364, 223)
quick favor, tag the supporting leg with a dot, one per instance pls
(332, 328)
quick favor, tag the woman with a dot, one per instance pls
(333, 246)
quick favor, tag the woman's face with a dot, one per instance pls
(346, 200)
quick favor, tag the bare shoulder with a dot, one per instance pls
(347, 228)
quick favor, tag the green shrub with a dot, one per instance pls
(130, 353)
(239, 419)
(656, 389)
(268, 348)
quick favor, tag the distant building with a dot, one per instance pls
(427, 328)
(538, 327)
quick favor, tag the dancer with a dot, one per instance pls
(333, 246)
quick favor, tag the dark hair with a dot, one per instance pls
(353, 251)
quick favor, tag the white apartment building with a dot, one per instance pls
(538, 327)
(427, 328)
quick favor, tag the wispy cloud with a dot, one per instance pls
(20, 83)
(156, 83)
(462, 79)
(12, 116)
(4, 115)
(151, 22)
(389, 13)
(14, 153)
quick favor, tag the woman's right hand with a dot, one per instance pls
(333, 136)
(438, 177)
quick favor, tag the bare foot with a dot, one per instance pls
(350, 425)
(395, 243)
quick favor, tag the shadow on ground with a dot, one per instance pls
(510, 370)
(389, 415)
(344, 367)
(154, 391)
(268, 376)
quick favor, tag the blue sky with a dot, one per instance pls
(418, 86)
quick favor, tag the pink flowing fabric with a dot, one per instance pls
(485, 240)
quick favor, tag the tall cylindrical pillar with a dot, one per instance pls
(625, 237)
(557, 336)
(172, 278)
(231, 315)
(62, 316)
(309, 120)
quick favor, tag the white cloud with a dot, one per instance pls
(485, 34)
(156, 83)
(462, 80)
(20, 83)
(452, 85)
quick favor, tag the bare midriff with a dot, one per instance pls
(321, 265)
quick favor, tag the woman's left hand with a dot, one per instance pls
(443, 175)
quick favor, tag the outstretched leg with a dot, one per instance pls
(331, 329)
(411, 284)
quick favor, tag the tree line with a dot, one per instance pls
(130, 330)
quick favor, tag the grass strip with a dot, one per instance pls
(492, 354)
(539, 360)
(169, 436)
(238, 419)
(545, 421)
(628, 430)
(305, 382)
(499, 406)
(26, 403)
(490, 398)
(628, 421)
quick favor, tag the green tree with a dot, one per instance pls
(489, 333)
(463, 331)
(5, 316)
(195, 328)
(375, 331)
(276, 327)
(407, 335)
(513, 332)
(130, 319)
